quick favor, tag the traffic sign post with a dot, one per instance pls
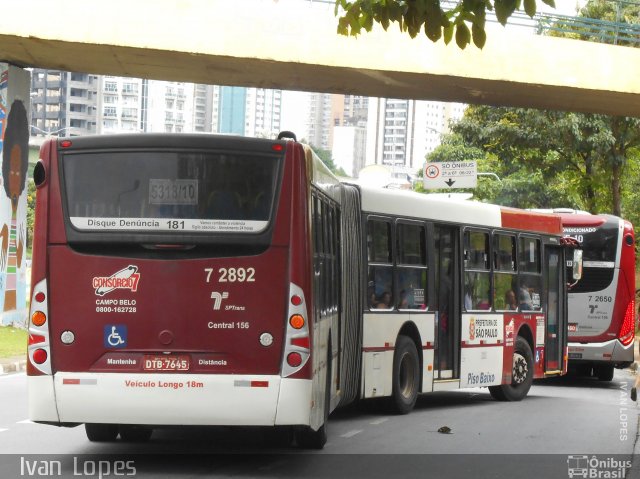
(450, 175)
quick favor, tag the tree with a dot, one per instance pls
(327, 159)
(519, 185)
(438, 22)
(571, 159)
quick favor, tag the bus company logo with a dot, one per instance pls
(127, 278)
(509, 330)
(472, 329)
(217, 299)
(594, 467)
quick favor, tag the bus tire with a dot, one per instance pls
(521, 375)
(406, 376)
(131, 433)
(604, 372)
(101, 432)
(306, 437)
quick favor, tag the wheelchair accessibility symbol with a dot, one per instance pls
(115, 336)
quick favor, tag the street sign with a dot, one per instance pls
(450, 175)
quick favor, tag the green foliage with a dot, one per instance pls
(13, 342)
(414, 16)
(548, 158)
(327, 159)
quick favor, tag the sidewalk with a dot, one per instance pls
(13, 364)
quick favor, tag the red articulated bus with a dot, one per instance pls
(216, 280)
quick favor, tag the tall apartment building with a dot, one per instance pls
(63, 103)
(170, 107)
(263, 112)
(252, 112)
(120, 105)
(72, 104)
(203, 97)
(402, 132)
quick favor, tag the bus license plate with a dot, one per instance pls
(166, 363)
(575, 355)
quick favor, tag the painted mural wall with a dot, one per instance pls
(14, 150)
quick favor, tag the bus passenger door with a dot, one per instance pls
(447, 347)
(556, 316)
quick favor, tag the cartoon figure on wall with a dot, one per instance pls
(15, 162)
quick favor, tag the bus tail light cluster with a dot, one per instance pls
(297, 344)
(628, 328)
(39, 345)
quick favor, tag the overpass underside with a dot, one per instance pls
(293, 45)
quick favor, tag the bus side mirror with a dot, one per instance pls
(577, 265)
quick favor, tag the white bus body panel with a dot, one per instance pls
(396, 202)
(609, 351)
(158, 399)
(380, 331)
(592, 317)
(42, 399)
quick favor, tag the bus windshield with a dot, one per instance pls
(165, 191)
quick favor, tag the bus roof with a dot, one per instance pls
(455, 210)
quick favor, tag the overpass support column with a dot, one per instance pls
(14, 150)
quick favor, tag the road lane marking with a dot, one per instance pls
(351, 433)
(3, 430)
(379, 421)
(26, 421)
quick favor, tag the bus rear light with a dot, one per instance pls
(628, 328)
(40, 356)
(297, 344)
(301, 342)
(277, 147)
(297, 321)
(65, 143)
(39, 343)
(35, 339)
(38, 318)
(294, 359)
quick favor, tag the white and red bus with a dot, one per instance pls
(216, 280)
(602, 318)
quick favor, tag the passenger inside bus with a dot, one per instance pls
(510, 300)
(385, 301)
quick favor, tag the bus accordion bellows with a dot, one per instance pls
(602, 316)
(217, 280)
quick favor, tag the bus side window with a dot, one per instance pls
(380, 270)
(530, 277)
(411, 271)
(505, 285)
(477, 276)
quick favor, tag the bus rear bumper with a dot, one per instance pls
(610, 352)
(169, 399)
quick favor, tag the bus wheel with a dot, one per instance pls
(604, 372)
(521, 375)
(406, 376)
(130, 433)
(306, 437)
(101, 432)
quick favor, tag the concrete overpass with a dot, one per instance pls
(291, 44)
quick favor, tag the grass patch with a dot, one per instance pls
(13, 342)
